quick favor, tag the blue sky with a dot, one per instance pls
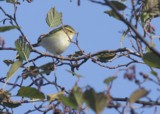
(97, 31)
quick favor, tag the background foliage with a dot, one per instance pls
(33, 75)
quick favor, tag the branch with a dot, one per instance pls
(87, 56)
(14, 19)
(128, 24)
(150, 103)
(8, 48)
(32, 101)
(84, 57)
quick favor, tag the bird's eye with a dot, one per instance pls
(70, 31)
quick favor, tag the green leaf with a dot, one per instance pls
(4, 112)
(32, 71)
(118, 5)
(23, 49)
(76, 54)
(105, 57)
(68, 101)
(152, 44)
(110, 79)
(13, 1)
(7, 28)
(74, 74)
(11, 104)
(112, 14)
(53, 18)
(144, 17)
(151, 7)
(4, 95)
(55, 96)
(77, 93)
(136, 95)
(47, 68)
(5, 99)
(154, 73)
(31, 93)
(124, 36)
(74, 100)
(151, 60)
(96, 101)
(14, 68)
(8, 62)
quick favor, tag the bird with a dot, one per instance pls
(57, 40)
